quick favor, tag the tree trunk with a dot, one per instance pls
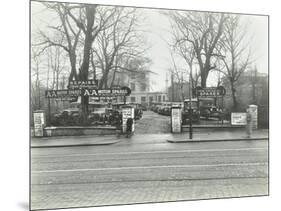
(113, 79)
(73, 73)
(84, 70)
(233, 94)
(203, 80)
(103, 81)
(204, 75)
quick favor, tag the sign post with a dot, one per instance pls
(127, 112)
(39, 123)
(253, 109)
(176, 119)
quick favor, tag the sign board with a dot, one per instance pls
(253, 109)
(89, 84)
(124, 91)
(39, 123)
(63, 93)
(210, 92)
(71, 93)
(176, 119)
(127, 113)
(239, 118)
(105, 98)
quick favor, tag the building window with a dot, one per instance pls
(159, 98)
(164, 98)
(133, 99)
(143, 87)
(143, 99)
(133, 86)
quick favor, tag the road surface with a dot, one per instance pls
(153, 123)
(148, 171)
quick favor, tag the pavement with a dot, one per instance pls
(140, 170)
(68, 141)
(220, 136)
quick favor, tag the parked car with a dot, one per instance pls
(211, 111)
(97, 116)
(113, 117)
(137, 109)
(165, 110)
(67, 117)
(195, 111)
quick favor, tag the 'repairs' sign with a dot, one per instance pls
(89, 84)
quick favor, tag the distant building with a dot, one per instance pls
(139, 83)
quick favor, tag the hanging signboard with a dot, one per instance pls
(176, 119)
(62, 93)
(71, 93)
(239, 118)
(89, 84)
(210, 92)
(105, 98)
(124, 91)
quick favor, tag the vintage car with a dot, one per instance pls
(67, 117)
(208, 109)
(195, 117)
(97, 116)
(211, 111)
(138, 110)
(113, 117)
(165, 110)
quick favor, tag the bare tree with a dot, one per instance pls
(236, 53)
(202, 33)
(177, 74)
(56, 66)
(65, 35)
(36, 91)
(117, 44)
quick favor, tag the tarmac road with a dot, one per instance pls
(128, 172)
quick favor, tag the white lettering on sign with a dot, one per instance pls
(39, 122)
(90, 92)
(253, 109)
(176, 120)
(126, 114)
(239, 118)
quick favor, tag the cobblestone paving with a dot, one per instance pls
(76, 195)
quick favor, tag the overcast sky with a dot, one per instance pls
(157, 30)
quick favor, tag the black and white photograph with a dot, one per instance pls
(134, 105)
